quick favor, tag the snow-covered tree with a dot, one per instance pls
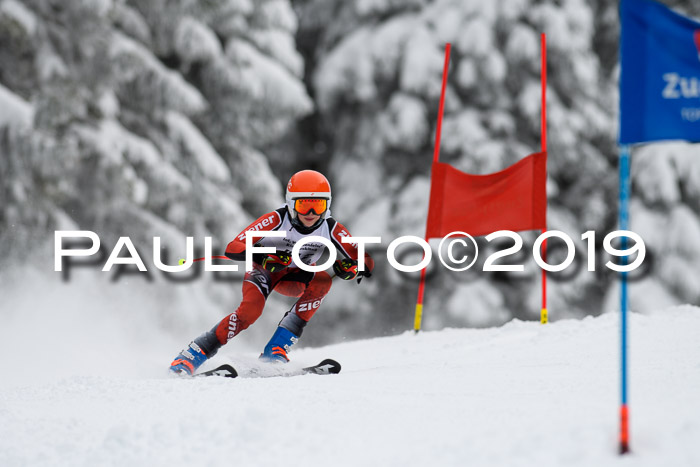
(185, 117)
(376, 80)
(141, 119)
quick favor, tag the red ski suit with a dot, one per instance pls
(292, 281)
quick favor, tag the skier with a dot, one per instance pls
(306, 213)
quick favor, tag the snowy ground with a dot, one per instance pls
(523, 394)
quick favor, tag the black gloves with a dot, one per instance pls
(275, 262)
(346, 269)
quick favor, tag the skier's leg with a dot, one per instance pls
(255, 292)
(314, 293)
(294, 321)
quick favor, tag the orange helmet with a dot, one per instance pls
(308, 185)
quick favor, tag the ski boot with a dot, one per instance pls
(188, 360)
(276, 350)
(199, 350)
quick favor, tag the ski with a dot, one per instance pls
(226, 371)
(326, 367)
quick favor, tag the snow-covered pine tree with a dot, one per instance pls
(376, 81)
(141, 119)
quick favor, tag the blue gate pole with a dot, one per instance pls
(624, 225)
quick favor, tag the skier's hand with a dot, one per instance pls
(346, 269)
(275, 262)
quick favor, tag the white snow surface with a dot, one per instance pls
(523, 394)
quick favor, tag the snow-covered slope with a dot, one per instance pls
(522, 394)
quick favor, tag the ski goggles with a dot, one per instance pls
(305, 205)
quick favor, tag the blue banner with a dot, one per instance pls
(659, 74)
